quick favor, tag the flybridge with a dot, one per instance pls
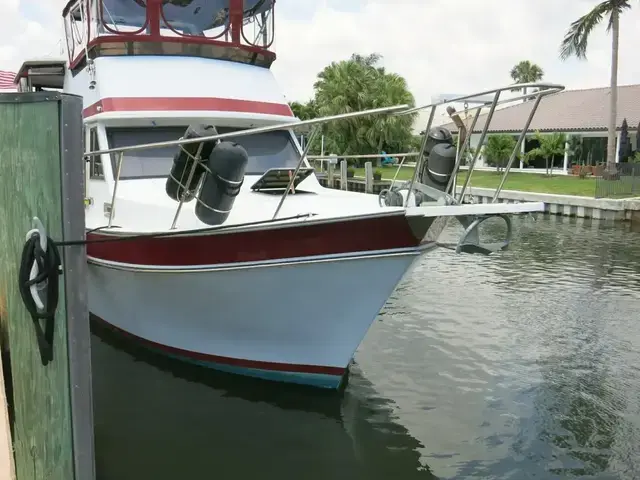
(236, 30)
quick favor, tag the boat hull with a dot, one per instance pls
(297, 321)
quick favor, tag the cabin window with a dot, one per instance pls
(258, 23)
(124, 16)
(76, 26)
(208, 18)
(95, 164)
(266, 150)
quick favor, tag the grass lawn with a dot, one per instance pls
(526, 182)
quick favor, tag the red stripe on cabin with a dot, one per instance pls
(200, 104)
(301, 240)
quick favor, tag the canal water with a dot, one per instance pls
(516, 366)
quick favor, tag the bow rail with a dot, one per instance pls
(479, 99)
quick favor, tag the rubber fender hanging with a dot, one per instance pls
(227, 165)
(437, 171)
(177, 183)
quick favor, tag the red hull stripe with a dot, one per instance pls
(341, 237)
(235, 362)
(156, 104)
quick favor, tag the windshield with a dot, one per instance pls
(196, 17)
(266, 150)
(124, 15)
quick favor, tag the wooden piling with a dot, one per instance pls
(344, 184)
(330, 179)
(368, 177)
(42, 176)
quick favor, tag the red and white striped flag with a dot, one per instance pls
(6, 80)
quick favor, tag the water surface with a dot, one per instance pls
(516, 366)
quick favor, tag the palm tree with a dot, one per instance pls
(550, 146)
(526, 72)
(360, 84)
(304, 111)
(575, 44)
(498, 149)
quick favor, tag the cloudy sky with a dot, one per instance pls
(439, 46)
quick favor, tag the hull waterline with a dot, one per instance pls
(295, 322)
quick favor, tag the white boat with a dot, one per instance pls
(222, 248)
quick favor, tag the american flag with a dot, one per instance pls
(6, 80)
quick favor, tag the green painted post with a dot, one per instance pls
(41, 175)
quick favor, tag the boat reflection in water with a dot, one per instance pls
(158, 418)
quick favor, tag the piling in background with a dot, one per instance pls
(330, 180)
(343, 175)
(368, 177)
(42, 176)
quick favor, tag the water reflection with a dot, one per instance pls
(160, 419)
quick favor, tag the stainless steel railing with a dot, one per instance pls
(544, 89)
(315, 123)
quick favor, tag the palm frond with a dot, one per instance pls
(620, 6)
(577, 37)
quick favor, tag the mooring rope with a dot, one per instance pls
(39, 265)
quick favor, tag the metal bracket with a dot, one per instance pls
(42, 234)
(471, 233)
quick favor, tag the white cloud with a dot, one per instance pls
(437, 45)
(444, 46)
(24, 35)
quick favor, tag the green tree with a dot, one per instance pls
(550, 145)
(360, 84)
(575, 149)
(304, 111)
(526, 72)
(575, 44)
(469, 152)
(498, 150)
(415, 143)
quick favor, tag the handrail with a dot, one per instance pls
(368, 155)
(250, 131)
(544, 89)
(235, 134)
(549, 88)
(314, 132)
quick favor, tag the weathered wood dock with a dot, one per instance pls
(342, 181)
(51, 416)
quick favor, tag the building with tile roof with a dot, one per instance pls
(581, 113)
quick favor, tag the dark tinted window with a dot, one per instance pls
(266, 150)
(130, 13)
(195, 17)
